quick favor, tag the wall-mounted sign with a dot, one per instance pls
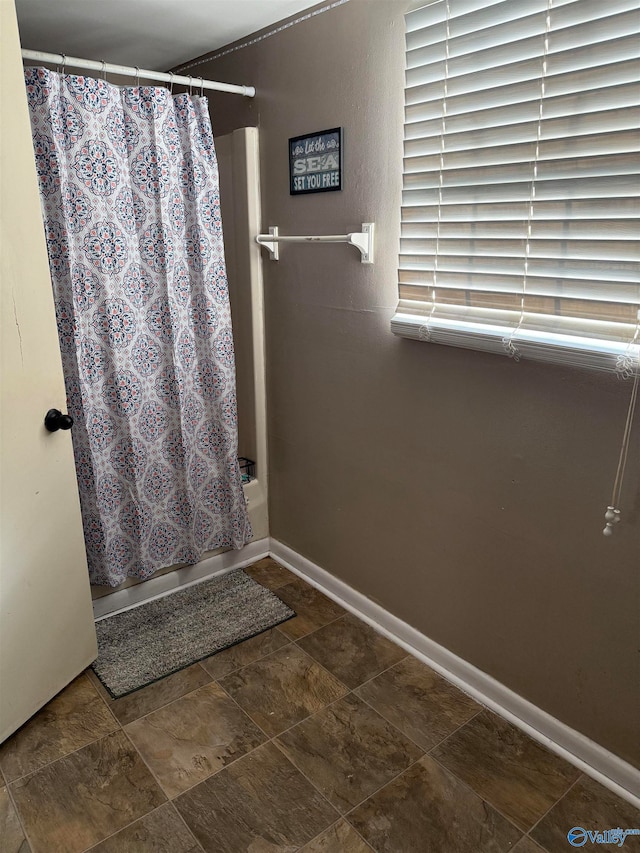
(315, 162)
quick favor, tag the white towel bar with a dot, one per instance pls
(362, 240)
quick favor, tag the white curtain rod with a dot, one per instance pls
(127, 71)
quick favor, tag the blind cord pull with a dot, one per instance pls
(612, 515)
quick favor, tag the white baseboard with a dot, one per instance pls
(157, 587)
(605, 767)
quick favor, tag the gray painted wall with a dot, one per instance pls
(462, 491)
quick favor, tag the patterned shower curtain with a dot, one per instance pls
(129, 190)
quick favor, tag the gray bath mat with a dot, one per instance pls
(163, 636)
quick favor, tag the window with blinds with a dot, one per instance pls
(520, 205)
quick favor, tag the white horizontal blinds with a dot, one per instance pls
(520, 204)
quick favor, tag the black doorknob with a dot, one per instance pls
(55, 420)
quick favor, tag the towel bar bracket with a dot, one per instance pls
(362, 240)
(270, 245)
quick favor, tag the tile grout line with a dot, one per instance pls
(310, 716)
(212, 678)
(273, 739)
(393, 666)
(126, 826)
(48, 764)
(311, 782)
(331, 826)
(306, 654)
(262, 658)
(358, 833)
(425, 751)
(352, 691)
(298, 579)
(378, 789)
(171, 701)
(364, 840)
(386, 669)
(137, 820)
(101, 690)
(413, 657)
(551, 807)
(466, 785)
(66, 755)
(106, 838)
(455, 731)
(293, 725)
(121, 727)
(98, 694)
(189, 692)
(252, 662)
(274, 588)
(108, 700)
(484, 800)
(268, 740)
(289, 641)
(313, 630)
(358, 686)
(168, 799)
(300, 770)
(417, 761)
(525, 833)
(242, 666)
(18, 815)
(564, 748)
(324, 669)
(248, 715)
(189, 830)
(322, 832)
(142, 758)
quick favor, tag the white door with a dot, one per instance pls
(47, 634)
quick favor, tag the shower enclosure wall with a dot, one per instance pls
(238, 163)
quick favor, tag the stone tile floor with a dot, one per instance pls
(319, 735)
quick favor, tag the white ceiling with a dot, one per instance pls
(152, 34)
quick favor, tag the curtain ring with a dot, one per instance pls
(190, 85)
(103, 72)
(201, 88)
(171, 82)
(64, 63)
(137, 76)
